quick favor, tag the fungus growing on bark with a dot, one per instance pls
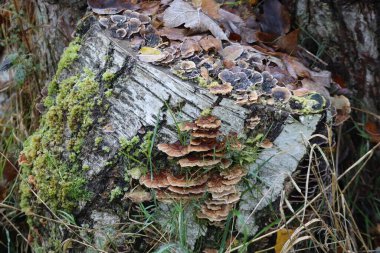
(118, 19)
(310, 103)
(157, 180)
(253, 122)
(121, 33)
(104, 22)
(206, 152)
(134, 26)
(221, 89)
(173, 150)
(266, 144)
(281, 94)
(268, 82)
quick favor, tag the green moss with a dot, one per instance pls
(108, 76)
(108, 93)
(136, 155)
(98, 140)
(115, 193)
(202, 82)
(206, 112)
(61, 184)
(106, 149)
(69, 55)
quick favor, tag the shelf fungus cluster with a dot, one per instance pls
(205, 170)
(248, 74)
(131, 23)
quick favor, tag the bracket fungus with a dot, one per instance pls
(215, 177)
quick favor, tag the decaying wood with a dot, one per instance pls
(142, 96)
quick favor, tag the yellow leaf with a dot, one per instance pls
(150, 51)
(282, 236)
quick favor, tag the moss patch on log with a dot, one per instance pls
(57, 181)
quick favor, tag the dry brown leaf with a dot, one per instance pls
(232, 52)
(289, 42)
(210, 43)
(373, 130)
(173, 33)
(181, 13)
(111, 6)
(295, 68)
(211, 8)
(150, 8)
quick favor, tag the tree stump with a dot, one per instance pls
(104, 106)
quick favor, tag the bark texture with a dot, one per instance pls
(349, 35)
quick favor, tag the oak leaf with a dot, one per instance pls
(181, 13)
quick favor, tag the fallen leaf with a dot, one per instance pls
(189, 47)
(374, 133)
(150, 54)
(232, 52)
(266, 37)
(289, 42)
(211, 8)
(111, 6)
(150, 8)
(282, 236)
(210, 43)
(295, 68)
(173, 33)
(181, 13)
(343, 108)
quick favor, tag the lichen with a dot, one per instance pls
(311, 103)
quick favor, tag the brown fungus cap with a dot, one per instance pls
(253, 122)
(222, 89)
(281, 94)
(169, 197)
(209, 122)
(159, 180)
(205, 134)
(199, 189)
(234, 172)
(173, 150)
(194, 161)
(266, 144)
(183, 181)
